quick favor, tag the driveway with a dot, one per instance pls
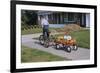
(80, 54)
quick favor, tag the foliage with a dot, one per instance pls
(28, 17)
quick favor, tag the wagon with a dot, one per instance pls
(66, 42)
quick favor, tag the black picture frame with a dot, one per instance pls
(13, 36)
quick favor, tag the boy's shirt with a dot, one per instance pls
(44, 22)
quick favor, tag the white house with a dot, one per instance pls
(83, 19)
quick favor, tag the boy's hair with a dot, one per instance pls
(42, 16)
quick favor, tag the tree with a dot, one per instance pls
(28, 17)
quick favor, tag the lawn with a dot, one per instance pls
(37, 30)
(82, 37)
(31, 31)
(34, 55)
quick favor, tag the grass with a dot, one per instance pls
(31, 31)
(82, 37)
(36, 30)
(34, 55)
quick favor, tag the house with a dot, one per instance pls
(54, 18)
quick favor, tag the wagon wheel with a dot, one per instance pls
(75, 47)
(41, 40)
(68, 49)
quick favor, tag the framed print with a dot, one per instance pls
(52, 36)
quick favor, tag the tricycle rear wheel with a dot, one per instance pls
(57, 46)
(46, 43)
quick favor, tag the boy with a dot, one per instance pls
(45, 26)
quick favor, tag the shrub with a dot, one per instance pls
(72, 27)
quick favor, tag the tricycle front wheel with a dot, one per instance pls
(41, 40)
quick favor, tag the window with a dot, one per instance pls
(70, 17)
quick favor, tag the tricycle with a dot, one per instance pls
(46, 41)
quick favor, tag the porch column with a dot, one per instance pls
(47, 17)
(87, 20)
(52, 18)
(83, 20)
(57, 18)
(39, 21)
(61, 18)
